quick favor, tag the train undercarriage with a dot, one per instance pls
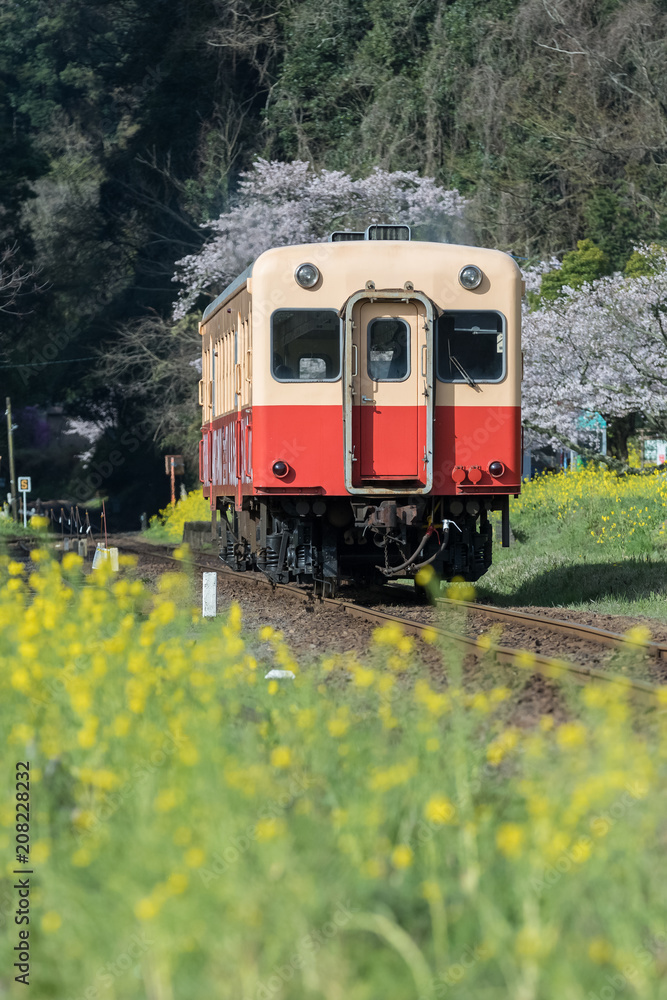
(364, 540)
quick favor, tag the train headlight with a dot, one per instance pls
(496, 469)
(307, 275)
(280, 469)
(470, 276)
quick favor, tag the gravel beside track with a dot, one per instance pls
(312, 628)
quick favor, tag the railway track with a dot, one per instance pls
(572, 629)
(537, 662)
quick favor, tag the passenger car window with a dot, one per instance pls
(305, 345)
(470, 346)
(388, 350)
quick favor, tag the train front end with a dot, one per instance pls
(384, 422)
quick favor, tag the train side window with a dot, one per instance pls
(388, 350)
(305, 345)
(471, 346)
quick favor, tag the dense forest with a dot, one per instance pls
(125, 127)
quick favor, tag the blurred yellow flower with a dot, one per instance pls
(384, 780)
(600, 951)
(440, 811)
(510, 838)
(40, 851)
(177, 883)
(146, 909)
(268, 829)
(402, 856)
(281, 757)
(71, 561)
(51, 922)
(195, 857)
(166, 800)
(571, 735)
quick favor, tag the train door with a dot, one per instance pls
(389, 408)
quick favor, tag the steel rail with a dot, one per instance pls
(573, 629)
(525, 659)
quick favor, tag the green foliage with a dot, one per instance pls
(642, 264)
(579, 267)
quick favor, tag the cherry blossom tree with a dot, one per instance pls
(288, 203)
(602, 347)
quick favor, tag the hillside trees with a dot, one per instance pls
(550, 114)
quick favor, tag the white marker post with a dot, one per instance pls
(25, 487)
(209, 595)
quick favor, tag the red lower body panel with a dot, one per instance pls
(239, 450)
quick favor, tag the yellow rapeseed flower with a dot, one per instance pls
(81, 858)
(338, 726)
(146, 909)
(195, 857)
(600, 951)
(166, 800)
(269, 829)
(394, 776)
(40, 851)
(571, 735)
(402, 856)
(51, 922)
(440, 811)
(71, 561)
(177, 883)
(281, 757)
(510, 839)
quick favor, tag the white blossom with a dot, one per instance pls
(602, 347)
(280, 204)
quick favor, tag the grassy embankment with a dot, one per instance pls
(198, 831)
(587, 539)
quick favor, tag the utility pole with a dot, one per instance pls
(12, 470)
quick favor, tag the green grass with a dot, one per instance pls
(588, 541)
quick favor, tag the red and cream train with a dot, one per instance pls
(361, 408)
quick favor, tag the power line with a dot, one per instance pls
(40, 364)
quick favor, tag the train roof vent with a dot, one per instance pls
(388, 233)
(345, 237)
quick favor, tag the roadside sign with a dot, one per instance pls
(25, 487)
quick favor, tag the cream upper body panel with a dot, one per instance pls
(345, 268)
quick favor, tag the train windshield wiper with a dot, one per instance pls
(469, 379)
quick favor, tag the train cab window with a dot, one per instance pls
(305, 345)
(388, 350)
(470, 347)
